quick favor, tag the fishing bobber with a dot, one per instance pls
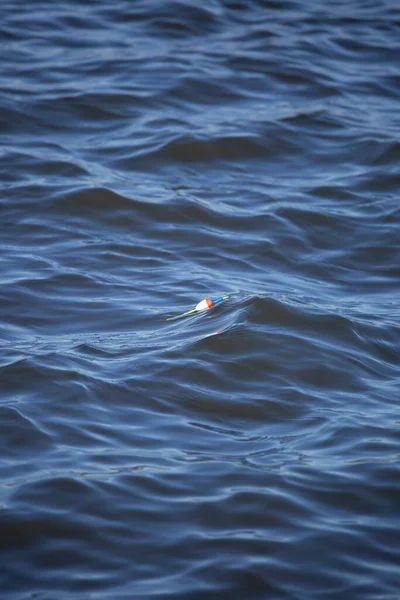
(203, 305)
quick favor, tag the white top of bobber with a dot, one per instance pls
(204, 304)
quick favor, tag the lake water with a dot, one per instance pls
(155, 153)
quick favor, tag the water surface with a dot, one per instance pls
(153, 154)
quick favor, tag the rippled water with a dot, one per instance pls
(154, 153)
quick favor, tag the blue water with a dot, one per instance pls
(154, 153)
